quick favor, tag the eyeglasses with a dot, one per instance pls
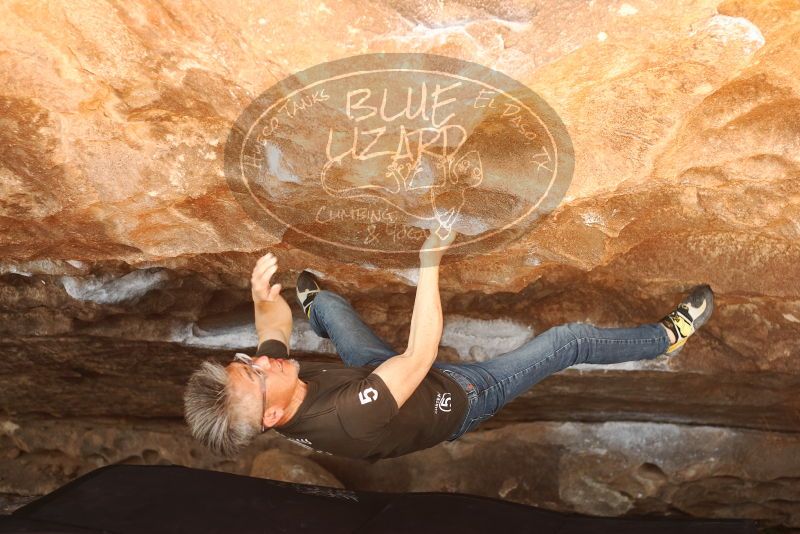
(247, 360)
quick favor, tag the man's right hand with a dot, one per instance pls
(263, 271)
(432, 250)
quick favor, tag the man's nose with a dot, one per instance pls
(263, 362)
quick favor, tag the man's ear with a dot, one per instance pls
(272, 416)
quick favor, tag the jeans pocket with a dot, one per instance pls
(463, 428)
(480, 410)
(464, 382)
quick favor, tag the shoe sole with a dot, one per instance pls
(697, 295)
(700, 293)
(309, 285)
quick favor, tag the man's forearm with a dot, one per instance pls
(271, 316)
(426, 319)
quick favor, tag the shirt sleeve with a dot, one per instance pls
(272, 348)
(365, 407)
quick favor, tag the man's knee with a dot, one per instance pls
(573, 331)
(580, 330)
(574, 335)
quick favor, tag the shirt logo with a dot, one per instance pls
(442, 403)
(368, 395)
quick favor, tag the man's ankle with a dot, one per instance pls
(670, 334)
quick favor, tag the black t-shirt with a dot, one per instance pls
(349, 411)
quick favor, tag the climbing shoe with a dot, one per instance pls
(307, 289)
(691, 314)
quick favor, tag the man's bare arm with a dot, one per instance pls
(426, 318)
(404, 373)
(273, 315)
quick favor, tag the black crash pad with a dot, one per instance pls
(123, 499)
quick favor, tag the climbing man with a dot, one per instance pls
(380, 402)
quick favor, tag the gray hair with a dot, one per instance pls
(209, 411)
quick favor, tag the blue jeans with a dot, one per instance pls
(491, 384)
